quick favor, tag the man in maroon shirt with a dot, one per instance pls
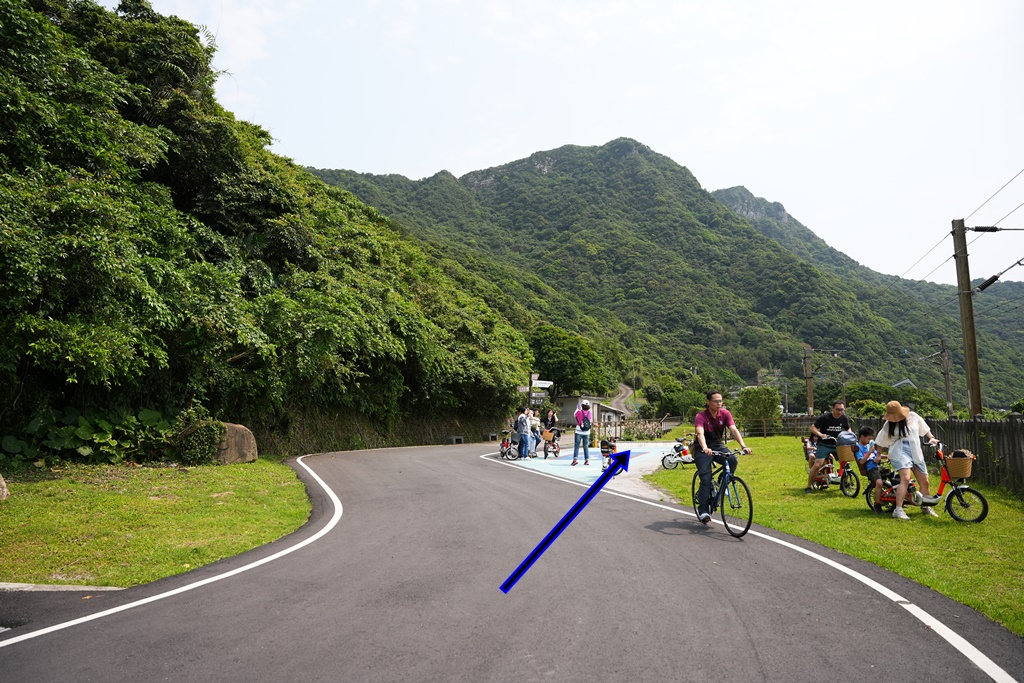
(711, 425)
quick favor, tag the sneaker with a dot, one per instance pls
(930, 511)
(899, 513)
(604, 468)
(878, 508)
(704, 518)
(574, 462)
(808, 490)
(586, 462)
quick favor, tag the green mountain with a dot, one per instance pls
(675, 278)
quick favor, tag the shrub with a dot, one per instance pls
(198, 436)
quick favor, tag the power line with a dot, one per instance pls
(993, 196)
(1007, 302)
(966, 219)
(1009, 214)
(926, 256)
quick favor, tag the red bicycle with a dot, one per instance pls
(845, 475)
(963, 503)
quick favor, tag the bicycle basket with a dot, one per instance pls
(960, 463)
(846, 454)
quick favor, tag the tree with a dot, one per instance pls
(568, 360)
(759, 408)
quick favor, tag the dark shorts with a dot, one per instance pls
(825, 450)
(874, 475)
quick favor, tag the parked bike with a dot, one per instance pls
(679, 455)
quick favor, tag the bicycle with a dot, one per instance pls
(509, 449)
(551, 445)
(731, 494)
(963, 503)
(607, 449)
(845, 476)
(679, 455)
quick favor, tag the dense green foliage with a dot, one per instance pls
(568, 360)
(658, 274)
(758, 410)
(154, 253)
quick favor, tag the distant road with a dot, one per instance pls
(405, 587)
(619, 400)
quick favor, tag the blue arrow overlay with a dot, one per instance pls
(618, 460)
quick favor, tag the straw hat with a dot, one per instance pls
(894, 412)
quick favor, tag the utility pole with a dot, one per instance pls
(809, 376)
(963, 286)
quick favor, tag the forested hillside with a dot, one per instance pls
(999, 321)
(155, 255)
(679, 279)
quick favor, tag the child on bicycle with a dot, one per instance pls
(868, 457)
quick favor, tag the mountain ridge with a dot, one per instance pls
(604, 216)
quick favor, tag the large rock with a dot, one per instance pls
(238, 445)
(4, 493)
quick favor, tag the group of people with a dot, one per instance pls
(527, 426)
(901, 433)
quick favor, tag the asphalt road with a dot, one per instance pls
(402, 584)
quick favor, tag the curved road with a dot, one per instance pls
(402, 584)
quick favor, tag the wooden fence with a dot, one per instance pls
(999, 444)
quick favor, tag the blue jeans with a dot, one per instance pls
(524, 445)
(704, 471)
(585, 440)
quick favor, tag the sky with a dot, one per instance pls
(875, 123)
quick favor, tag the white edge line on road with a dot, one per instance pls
(977, 657)
(138, 603)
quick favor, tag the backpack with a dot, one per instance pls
(585, 424)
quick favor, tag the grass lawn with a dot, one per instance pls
(123, 526)
(976, 564)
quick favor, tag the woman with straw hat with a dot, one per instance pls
(901, 433)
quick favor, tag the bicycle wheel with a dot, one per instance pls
(965, 504)
(850, 484)
(694, 487)
(737, 507)
(547, 449)
(669, 462)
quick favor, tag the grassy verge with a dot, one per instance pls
(121, 526)
(976, 564)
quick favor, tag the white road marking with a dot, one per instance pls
(145, 601)
(976, 656)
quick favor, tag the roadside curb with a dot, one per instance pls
(42, 587)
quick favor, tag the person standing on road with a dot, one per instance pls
(522, 428)
(584, 419)
(711, 425)
(534, 431)
(826, 428)
(901, 433)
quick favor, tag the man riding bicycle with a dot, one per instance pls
(711, 425)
